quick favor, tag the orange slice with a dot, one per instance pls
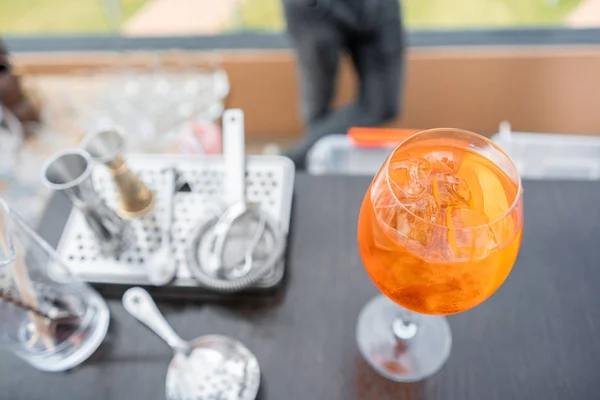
(468, 236)
(487, 195)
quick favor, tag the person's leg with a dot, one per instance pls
(378, 56)
(318, 45)
(379, 61)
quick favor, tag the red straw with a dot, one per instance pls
(378, 137)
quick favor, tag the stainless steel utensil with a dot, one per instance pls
(162, 266)
(54, 314)
(235, 178)
(246, 223)
(70, 172)
(106, 146)
(269, 183)
(208, 367)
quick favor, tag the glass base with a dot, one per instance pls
(78, 346)
(380, 326)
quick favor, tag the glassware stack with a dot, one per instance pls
(19, 168)
(163, 108)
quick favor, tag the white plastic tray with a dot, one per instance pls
(551, 156)
(335, 154)
(269, 180)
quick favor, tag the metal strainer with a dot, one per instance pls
(211, 367)
(232, 251)
(254, 244)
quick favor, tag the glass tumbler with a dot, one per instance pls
(48, 318)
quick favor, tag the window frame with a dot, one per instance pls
(553, 36)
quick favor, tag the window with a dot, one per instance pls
(490, 13)
(36, 17)
(456, 14)
(207, 17)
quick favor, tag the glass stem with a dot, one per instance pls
(404, 326)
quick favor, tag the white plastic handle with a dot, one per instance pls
(234, 155)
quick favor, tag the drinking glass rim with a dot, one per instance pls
(99, 130)
(510, 209)
(82, 177)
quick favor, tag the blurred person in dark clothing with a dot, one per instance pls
(371, 32)
(12, 95)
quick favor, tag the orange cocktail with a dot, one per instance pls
(439, 231)
(436, 252)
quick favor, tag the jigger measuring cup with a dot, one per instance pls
(106, 146)
(70, 172)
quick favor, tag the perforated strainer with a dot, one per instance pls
(232, 251)
(212, 367)
(230, 272)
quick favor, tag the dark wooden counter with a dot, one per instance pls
(538, 337)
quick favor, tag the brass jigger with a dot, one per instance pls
(106, 146)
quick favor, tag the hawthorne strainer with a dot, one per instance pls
(232, 250)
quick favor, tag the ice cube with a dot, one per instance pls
(410, 177)
(469, 235)
(425, 208)
(384, 204)
(383, 237)
(386, 208)
(444, 161)
(449, 190)
(417, 218)
(381, 197)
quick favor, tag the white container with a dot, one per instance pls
(336, 154)
(551, 156)
(536, 155)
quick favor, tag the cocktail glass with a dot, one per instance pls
(439, 231)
